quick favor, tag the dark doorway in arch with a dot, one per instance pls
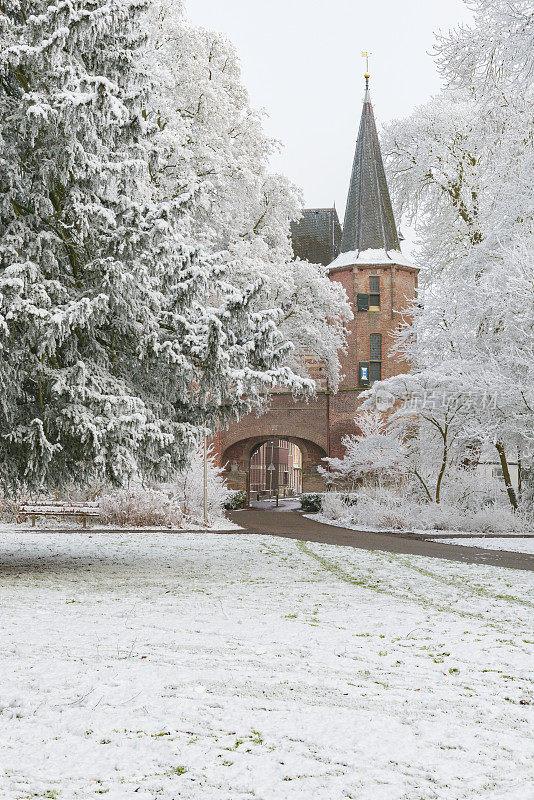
(275, 469)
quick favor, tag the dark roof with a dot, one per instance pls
(369, 222)
(316, 237)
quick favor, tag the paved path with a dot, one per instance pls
(293, 525)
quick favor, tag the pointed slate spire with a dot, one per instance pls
(369, 222)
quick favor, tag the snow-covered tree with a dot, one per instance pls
(494, 55)
(464, 169)
(463, 162)
(375, 454)
(216, 144)
(436, 159)
(422, 427)
(430, 417)
(119, 339)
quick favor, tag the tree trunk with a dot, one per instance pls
(443, 468)
(425, 487)
(506, 475)
(519, 475)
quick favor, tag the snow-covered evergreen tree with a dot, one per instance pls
(118, 338)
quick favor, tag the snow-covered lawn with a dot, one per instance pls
(230, 666)
(516, 544)
(69, 525)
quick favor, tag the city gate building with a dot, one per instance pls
(365, 257)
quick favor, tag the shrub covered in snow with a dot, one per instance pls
(376, 453)
(389, 510)
(140, 506)
(178, 503)
(237, 499)
(187, 490)
(9, 509)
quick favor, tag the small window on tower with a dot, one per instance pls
(374, 292)
(375, 347)
(375, 357)
(374, 284)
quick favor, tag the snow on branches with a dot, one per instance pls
(216, 146)
(463, 168)
(120, 339)
(375, 454)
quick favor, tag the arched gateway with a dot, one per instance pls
(379, 281)
(241, 473)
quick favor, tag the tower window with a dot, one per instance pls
(374, 291)
(375, 357)
(363, 302)
(375, 347)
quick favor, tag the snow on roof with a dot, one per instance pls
(386, 257)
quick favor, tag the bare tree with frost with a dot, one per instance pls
(464, 170)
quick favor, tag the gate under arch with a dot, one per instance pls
(294, 463)
(275, 469)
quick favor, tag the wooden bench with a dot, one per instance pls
(60, 508)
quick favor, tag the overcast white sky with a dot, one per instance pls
(301, 62)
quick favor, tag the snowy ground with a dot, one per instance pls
(518, 544)
(422, 531)
(69, 524)
(233, 667)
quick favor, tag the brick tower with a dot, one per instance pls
(378, 281)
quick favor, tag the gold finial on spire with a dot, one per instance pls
(366, 54)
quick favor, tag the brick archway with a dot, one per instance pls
(236, 461)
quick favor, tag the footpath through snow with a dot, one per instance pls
(230, 666)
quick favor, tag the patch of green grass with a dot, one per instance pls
(235, 745)
(438, 658)
(179, 770)
(49, 794)
(462, 583)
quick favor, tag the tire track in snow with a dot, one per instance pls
(365, 583)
